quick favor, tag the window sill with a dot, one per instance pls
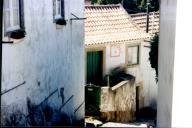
(14, 28)
(132, 65)
(16, 34)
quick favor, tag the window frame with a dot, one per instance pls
(57, 14)
(55, 10)
(138, 45)
(21, 20)
(11, 17)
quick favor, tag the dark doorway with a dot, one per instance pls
(94, 67)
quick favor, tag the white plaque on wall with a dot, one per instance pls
(115, 51)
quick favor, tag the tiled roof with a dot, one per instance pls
(141, 19)
(110, 24)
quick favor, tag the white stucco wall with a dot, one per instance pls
(174, 106)
(143, 72)
(48, 55)
(166, 62)
(148, 76)
(112, 62)
(145, 75)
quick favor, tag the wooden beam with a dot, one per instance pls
(118, 85)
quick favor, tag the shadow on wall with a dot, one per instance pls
(153, 103)
(43, 115)
(147, 114)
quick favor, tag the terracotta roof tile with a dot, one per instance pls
(110, 24)
(140, 19)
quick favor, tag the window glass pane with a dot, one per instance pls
(15, 17)
(134, 60)
(15, 4)
(133, 55)
(11, 14)
(59, 6)
(6, 4)
(7, 14)
(7, 19)
(15, 13)
(129, 55)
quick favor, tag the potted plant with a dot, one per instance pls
(17, 34)
(60, 21)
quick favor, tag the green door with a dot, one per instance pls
(94, 67)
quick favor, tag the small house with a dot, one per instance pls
(112, 39)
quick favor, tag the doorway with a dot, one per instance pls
(94, 67)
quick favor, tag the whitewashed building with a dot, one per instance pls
(174, 89)
(113, 39)
(43, 55)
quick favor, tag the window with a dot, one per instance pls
(13, 15)
(58, 9)
(133, 55)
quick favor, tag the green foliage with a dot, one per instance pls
(106, 1)
(119, 74)
(94, 1)
(131, 6)
(153, 54)
(154, 5)
(143, 4)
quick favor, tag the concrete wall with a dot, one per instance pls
(118, 104)
(50, 57)
(174, 92)
(145, 75)
(166, 62)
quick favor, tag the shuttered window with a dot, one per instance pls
(13, 15)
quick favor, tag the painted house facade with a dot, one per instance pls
(43, 56)
(113, 39)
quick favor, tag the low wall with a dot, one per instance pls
(118, 103)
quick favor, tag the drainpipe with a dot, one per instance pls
(147, 23)
(1, 30)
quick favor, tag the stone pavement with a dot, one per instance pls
(127, 125)
(93, 122)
